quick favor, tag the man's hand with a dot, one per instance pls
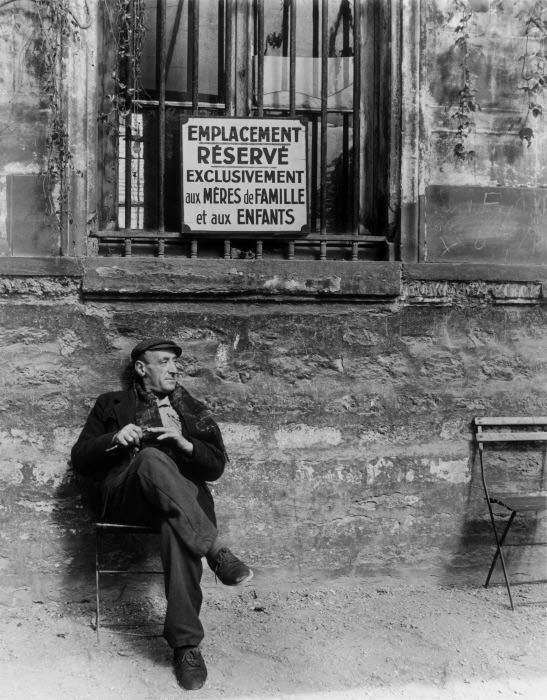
(129, 436)
(162, 433)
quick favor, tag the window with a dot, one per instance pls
(320, 60)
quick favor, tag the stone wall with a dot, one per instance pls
(345, 391)
(348, 424)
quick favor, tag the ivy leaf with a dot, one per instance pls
(526, 134)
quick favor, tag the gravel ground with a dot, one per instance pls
(307, 638)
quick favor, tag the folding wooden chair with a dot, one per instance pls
(523, 429)
(118, 529)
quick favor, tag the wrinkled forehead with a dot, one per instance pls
(157, 356)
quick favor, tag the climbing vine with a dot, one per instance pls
(58, 26)
(126, 29)
(533, 73)
(467, 104)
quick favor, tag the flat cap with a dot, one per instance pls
(154, 344)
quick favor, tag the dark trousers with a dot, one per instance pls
(151, 490)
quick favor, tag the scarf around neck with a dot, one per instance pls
(196, 421)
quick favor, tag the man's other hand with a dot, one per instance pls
(171, 434)
(129, 436)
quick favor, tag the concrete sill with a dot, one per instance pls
(244, 279)
(474, 272)
(41, 267)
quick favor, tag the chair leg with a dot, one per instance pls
(502, 540)
(97, 584)
(499, 553)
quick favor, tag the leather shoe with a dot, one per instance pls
(190, 669)
(228, 568)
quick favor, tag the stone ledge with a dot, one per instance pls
(473, 272)
(124, 278)
(41, 267)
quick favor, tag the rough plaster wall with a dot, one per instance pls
(22, 115)
(27, 223)
(348, 426)
(491, 206)
(497, 43)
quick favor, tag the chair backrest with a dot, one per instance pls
(510, 429)
(499, 429)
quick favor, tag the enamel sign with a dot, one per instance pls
(244, 175)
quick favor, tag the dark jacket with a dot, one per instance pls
(92, 456)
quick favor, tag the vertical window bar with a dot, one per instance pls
(324, 85)
(161, 59)
(221, 52)
(285, 28)
(356, 113)
(314, 130)
(195, 55)
(292, 60)
(260, 58)
(346, 164)
(128, 124)
(127, 173)
(348, 204)
(194, 60)
(313, 178)
(174, 35)
(229, 88)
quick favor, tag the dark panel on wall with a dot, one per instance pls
(486, 224)
(31, 230)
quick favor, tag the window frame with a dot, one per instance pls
(372, 193)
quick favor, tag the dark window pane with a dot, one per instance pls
(178, 51)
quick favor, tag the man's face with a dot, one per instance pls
(158, 371)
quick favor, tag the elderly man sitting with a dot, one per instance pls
(151, 449)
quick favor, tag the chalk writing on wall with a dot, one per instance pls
(486, 224)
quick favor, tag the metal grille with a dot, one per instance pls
(189, 67)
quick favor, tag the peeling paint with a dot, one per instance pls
(38, 507)
(41, 287)
(69, 343)
(221, 357)
(240, 434)
(11, 473)
(304, 471)
(21, 441)
(454, 471)
(50, 472)
(301, 436)
(281, 284)
(367, 436)
(63, 439)
(374, 469)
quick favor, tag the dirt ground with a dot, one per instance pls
(304, 639)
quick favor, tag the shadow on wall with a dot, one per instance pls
(77, 504)
(73, 519)
(128, 601)
(508, 470)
